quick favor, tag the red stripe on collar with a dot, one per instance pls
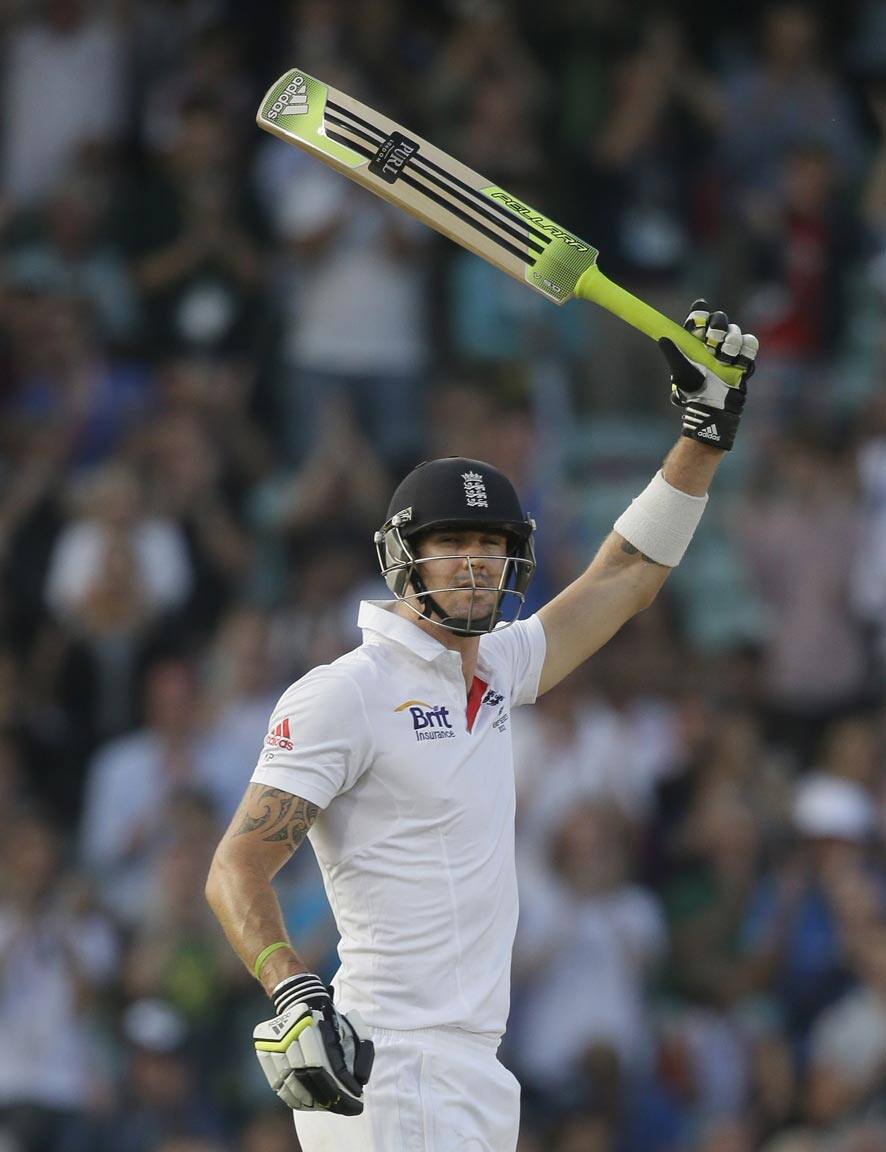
(475, 696)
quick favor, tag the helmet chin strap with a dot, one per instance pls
(458, 625)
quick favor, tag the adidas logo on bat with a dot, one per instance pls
(292, 101)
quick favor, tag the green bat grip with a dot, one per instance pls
(593, 285)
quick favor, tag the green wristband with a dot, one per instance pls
(265, 953)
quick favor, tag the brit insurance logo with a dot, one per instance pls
(429, 722)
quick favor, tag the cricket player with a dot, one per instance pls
(396, 762)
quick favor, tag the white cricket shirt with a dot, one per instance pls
(415, 839)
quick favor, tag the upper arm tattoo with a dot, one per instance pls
(632, 551)
(277, 816)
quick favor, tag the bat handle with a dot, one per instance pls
(594, 286)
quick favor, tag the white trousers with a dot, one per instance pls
(431, 1090)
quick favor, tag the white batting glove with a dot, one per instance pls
(711, 407)
(313, 1056)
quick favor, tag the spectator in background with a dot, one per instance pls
(105, 641)
(341, 480)
(585, 949)
(851, 749)
(355, 325)
(491, 318)
(189, 486)
(799, 243)
(773, 1069)
(41, 740)
(238, 675)
(31, 469)
(67, 385)
(220, 392)
(641, 172)
(318, 28)
(56, 953)
(847, 1047)
(195, 240)
(583, 742)
(160, 1097)
(810, 904)
(163, 36)
(70, 255)
(484, 49)
(241, 683)
(799, 537)
(211, 70)
(113, 544)
(314, 618)
(718, 855)
(64, 91)
(342, 476)
(134, 782)
(791, 93)
(175, 953)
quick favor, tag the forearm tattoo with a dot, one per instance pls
(632, 551)
(278, 816)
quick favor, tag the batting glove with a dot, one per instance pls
(711, 407)
(314, 1056)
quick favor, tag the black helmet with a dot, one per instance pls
(460, 494)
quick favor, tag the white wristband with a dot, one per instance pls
(661, 521)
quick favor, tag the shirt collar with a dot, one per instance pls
(378, 618)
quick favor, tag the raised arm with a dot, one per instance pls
(650, 537)
(620, 581)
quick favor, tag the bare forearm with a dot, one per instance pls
(690, 466)
(267, 828)
(248, 910)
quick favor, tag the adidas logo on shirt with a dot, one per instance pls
(280, 737)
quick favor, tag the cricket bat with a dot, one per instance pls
(424, 181)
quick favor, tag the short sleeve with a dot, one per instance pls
(518, 652)
(318, 742)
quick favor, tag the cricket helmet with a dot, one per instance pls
(460, 494)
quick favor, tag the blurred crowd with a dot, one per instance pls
(216, 359)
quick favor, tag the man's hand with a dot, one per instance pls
(314, 1056)
(711, 408)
